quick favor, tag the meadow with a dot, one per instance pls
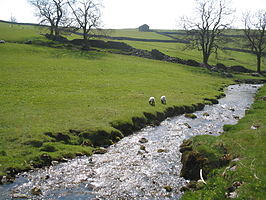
(180, 50)
(54, 90)
(47, 91)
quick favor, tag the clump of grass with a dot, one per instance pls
(48, 148)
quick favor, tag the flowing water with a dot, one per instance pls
(140, 166)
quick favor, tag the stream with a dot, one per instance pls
(140, 166)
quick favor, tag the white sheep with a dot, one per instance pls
(2, 41)
(152, 101)
(163, 99)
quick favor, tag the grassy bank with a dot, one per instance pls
(245, 142)
(53, 90)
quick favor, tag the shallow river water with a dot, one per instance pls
(132, 169)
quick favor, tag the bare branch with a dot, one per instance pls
(204, 30)
(255, 32)
(51, 12)
(87, 15)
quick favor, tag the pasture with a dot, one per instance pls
(45, 91)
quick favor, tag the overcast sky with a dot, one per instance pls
(158, 14)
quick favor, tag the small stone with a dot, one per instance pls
(168, 188)
(142, 147)
(20, 196)
(190, 115)
(3, 179)
(255, 127)
(187, 125)
(232, 109)
(233, 168)
(236, 117)
(162, 150)
(232, 195)
(100, 151)
(36, 191)
(206, 114)
(143, 140)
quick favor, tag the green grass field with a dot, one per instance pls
(135, 33)
(228, 58)
(53, 90)
(45, 89)
(20, 33)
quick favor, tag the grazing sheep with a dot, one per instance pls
(152, 101)
(163, 99)
(2, 41)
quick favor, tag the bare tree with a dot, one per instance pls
(13, 19)
(203, 31)
(52, 12)
(255, 32)
(87, 15)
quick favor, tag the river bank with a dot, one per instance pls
(143, 165)
(244, 177)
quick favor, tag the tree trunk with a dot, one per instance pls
(85, 37)
(56, 31)
(205, 58)
(258, 63)
(86, 45)
(51, 31)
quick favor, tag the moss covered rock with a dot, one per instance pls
(190, 115)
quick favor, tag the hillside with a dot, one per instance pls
(60, 101)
